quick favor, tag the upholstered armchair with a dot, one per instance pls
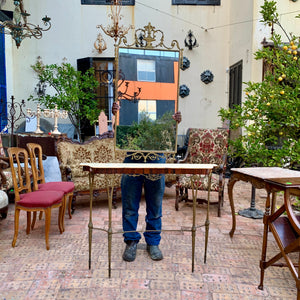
(205, 146)
(3, 194)
(5, 171)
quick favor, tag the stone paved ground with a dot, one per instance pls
(232, 272)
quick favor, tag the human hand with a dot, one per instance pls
(177, 116)
(115, 108)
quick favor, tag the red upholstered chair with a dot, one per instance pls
(39, 184)
(205, 146)
(31, 201)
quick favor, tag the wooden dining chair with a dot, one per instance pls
(284, 225)
(39, 183)
(205, 146)
(31, 201)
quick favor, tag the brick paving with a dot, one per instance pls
(231, 272)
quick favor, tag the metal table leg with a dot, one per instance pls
(207, 222)
(252, 212)
(110, 188)
(194, 227)
(90, 226)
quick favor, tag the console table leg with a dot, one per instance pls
(110, 191)
(193, 229)
(90, 226)
(207, 217)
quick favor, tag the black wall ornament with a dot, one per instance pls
(207, 76)
(184, 91)
(190, 41)
(185, 63)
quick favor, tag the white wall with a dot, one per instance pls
(225, 34)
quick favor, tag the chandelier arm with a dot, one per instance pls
(19, 28)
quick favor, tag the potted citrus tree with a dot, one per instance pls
(270, 113)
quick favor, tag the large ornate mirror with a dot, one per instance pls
(147, 92)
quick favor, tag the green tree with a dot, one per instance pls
(73, 91)
(270, 114)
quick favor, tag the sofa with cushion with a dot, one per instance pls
(96, 150)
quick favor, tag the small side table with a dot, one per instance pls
(255, 176)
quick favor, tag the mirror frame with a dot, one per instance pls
(147, 38)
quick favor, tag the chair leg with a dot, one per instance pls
(186, 194)
(61, 219)
(177, 199)
(219, 203)
(33, 220)
(47, 226)
(73, 203)
(17, 214)
(63, 209)
(28, 222)
(222, 197)
(70, 205)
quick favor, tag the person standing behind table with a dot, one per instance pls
(131, 190)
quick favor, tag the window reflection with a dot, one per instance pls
(148, 108)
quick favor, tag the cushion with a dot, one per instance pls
(63, 186)
(42, 199)
(201, 182)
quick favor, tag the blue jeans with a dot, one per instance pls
(131, 187)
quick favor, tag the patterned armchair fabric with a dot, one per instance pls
(206, 146)
(6, 177)
(96, 150)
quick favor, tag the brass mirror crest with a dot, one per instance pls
(145, 38)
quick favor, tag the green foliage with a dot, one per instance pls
(148, 134)
(270, 113)
(74, 91)
(269, 12)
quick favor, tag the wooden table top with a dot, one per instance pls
(147, 168)
(289, 182)
(267, 172)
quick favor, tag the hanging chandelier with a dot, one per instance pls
(115, 30)
(19, 28)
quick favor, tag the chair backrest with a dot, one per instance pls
(18, 159)
(36, 161)
(207, 146)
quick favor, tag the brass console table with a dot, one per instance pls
(151, 169)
